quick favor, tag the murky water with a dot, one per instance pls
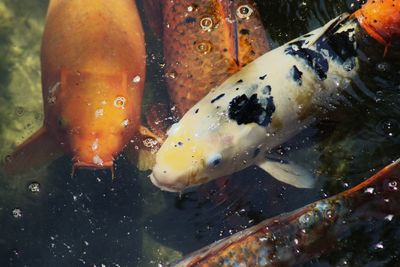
(49, 218)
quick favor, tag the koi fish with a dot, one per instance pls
(264, 105)
(204, 42)
(203, 37)
(291, 238)
(93, 70)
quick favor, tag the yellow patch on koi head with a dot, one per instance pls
(178, 162)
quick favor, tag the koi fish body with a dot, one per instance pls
(278, 240)
(207, 41)
(93, 70)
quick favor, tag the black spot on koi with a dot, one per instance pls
(296, 75)
(246, 110)
(314, 59)
(341, 46)
(217, 98)
(190, 20)
(263, 77)
(244, 31)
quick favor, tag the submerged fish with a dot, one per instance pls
(292, 238)
(205, 42)
(93, 70)
(264, 105)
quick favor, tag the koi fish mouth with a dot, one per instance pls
(93, 166)
(169, 187)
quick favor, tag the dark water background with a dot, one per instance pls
(90, 220)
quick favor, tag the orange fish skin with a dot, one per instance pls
(205, 42)
(381, 20)
(93, 69)
(306, 233)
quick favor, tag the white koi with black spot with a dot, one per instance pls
(259, 108)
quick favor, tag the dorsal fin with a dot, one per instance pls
(328, 29)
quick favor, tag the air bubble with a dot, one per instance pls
(136, 79)
(149, 142)
(383, 67)
(125, 123)
(244, 11)
(389, 127)
(379, 96)
(119, 102)
(206, 23)
(171, 74)
(369, 190)
(99, 112)
(329, 214)
(393, 185)
(379, 245)
(34, 187)
(389, 217)
(204, 47)
(19, 111)
(17, 213)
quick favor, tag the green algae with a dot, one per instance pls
(21, 98)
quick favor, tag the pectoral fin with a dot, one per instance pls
(289, 173)
(35, 152)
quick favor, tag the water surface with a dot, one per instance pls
(89, 219)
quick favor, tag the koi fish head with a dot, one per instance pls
(202, 146)
(185, 159)
(381, 20)
(94, 122)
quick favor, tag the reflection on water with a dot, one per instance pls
(49, 218)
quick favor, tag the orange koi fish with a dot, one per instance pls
(93, 70)
(205, 42)
(292, 238)
(381, 20)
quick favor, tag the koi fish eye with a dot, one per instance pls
(214, 160)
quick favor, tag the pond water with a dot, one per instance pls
(49, 218)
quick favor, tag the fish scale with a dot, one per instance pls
(220, 41)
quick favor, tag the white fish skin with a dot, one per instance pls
(259, 108)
